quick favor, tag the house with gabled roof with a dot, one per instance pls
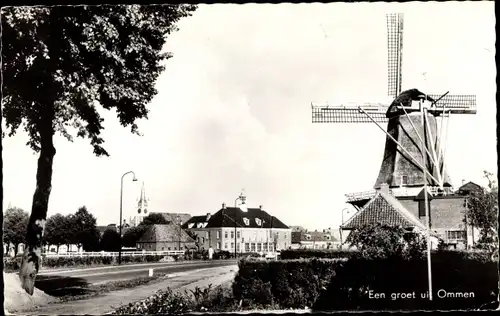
(165, 237)
(313, 240)
(243, 230)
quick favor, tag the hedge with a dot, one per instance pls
(290, 284)
(453, 273)
(55, 262)
(316, 253)
(329, 284)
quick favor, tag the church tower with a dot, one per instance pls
(142, 207)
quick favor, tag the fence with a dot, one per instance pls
(115, 253)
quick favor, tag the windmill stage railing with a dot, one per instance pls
(366, 195)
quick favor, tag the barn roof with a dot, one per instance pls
(165, 233)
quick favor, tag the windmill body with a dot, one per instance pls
(413, 119)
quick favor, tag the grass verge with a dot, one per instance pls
(93, 290)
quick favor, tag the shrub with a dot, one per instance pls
(290, 284)
(316, 253)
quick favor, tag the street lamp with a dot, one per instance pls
(242, 198)
(342, 224)
(121, 207)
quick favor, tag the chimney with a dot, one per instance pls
(208, 217)
(384, 188)
(223, 205)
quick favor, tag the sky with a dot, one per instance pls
(233, 112)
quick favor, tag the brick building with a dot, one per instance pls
(447, 214)
(247, 229)
(165, 237)
(313, 240)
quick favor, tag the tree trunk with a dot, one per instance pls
(31, 259)
(57, 249)
(16, 248)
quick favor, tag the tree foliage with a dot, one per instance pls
(132, 235)
(382, 241)
(84, 230)
(56, 230)
(482, 212)
(15, 221)
(154, 219)
(60, 62)
(110, 240)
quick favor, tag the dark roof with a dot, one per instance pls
(385, 209)
(469, 187)
(298, 237)
(226, 217)
(165, 233)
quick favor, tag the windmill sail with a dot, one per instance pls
(395, 53)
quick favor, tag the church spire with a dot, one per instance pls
(143, 201)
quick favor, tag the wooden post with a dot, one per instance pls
(427, 214)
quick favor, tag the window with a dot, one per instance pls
(232, 235)
(404, 180)
(252, 247)
(259, 247)
(202, 240)
(162, 248)
(238, 234)
(190, 225)
(247, 247)
(225, 245)
(265, 247)
(168, 248)
(218, 245)
(456, 234)
(258, 221)
(225, 234)
(246, 221)
(218, 234)
(232, 245)
(238, 247)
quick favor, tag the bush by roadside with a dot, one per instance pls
(286, 283)
(219, 299)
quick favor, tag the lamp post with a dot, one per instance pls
(341, 226)
(179, 222)
(242, 198)
(121, 208)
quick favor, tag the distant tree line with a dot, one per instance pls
(78, 229)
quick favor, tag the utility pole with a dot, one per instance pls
(427, 211)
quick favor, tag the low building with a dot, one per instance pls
(313, 240)
(243, 230)
(165, 237)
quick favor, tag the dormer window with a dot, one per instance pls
(190, 225)
(258, 221)
(404, 180)
(308, 237)
(246, 221)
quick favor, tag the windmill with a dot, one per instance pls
(415, 148)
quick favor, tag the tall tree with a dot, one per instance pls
(482, 213)
(55, 230)
(15, 221)
(58, 63)
(84, 228)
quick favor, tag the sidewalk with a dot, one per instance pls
(112, 300)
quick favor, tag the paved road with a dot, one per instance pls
(75, 282)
